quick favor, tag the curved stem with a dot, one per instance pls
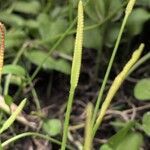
(22, 135)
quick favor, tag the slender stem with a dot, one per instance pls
(109, 68)
(88, 128)
(22, 135)
(35, 96)
(67, 118)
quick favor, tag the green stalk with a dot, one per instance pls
(127, 13)
(88, 128)
(75, 71)
(23, 135)
(67, 118)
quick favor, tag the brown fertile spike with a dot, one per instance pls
(2, 46)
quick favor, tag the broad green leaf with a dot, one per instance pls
(50, 28)
(37, 57)
(112, 33)
(13, 69)
(97, 10)
(145, 3)
(8, 99)
(120, 135)
(142, 89)
(67, 45)
(52, 127)
(13, 116)
(92, 38)
(12, 19)
(14, 38)
(32, 24)
(112, 6)
(90, 11)
(105, 147)
(146, 123)
(16, 80)
(132, 141)
(30, 7)
(136, 21)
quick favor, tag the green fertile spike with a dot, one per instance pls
(130, 7)
(76, 64)
(116, 85)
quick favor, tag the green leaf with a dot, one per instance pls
(48, 28)
(133, 141)
(13, 116)
(146, 123)
(37, 57)
(145, 3)
(8, 99)
(30, 7)
(112, 6)
(136, 21)
(52, 127)
(112, 33)
(105, 147)
(14, 38)
(97, 10)
(16, 80)
(142, 89)
(13, 69)
(67, 45)
(92, 37)
(12, 19)
(120, 135)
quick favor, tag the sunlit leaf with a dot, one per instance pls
(146, 123)
(30, 7)
(52, 127)
(37, 57)
(142, 89)
(14, 38)
(136, 21)
(132, 141)
(11, 19)
(13, 69)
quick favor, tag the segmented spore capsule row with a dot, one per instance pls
(2, 46)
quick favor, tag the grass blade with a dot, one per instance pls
(13, 117)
